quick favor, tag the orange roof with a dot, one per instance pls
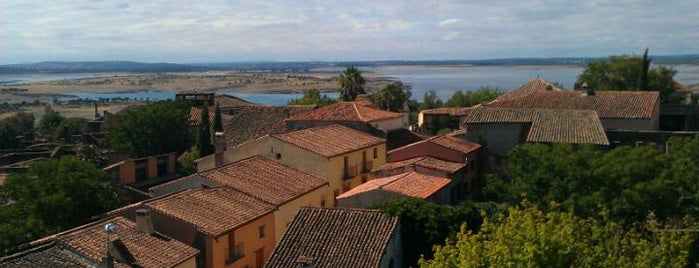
(213, 211)
(410, 183)
(535, 85)
(572, 126)
(426, 162)
(147, 250)
(448, 140)
(330, 140)
(454, 111)
(345, 111)
(607, 104)
(265, 179)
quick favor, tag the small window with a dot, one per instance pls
(278, 156)
(262, 231)
(376, 153)
(322, 201)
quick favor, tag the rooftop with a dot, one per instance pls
(410, 183)
(572, 126)
(265, 179)
(448, 140)
(48, 255)
(213, 211)
(453, 111)
(346, 111)
(425, 162)
(535, 85)
(330, 140)
(334, 237)
(247, 123)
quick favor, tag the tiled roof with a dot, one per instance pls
(251, 122)
(453, 111)
(147, 250)
(426, 162)
(410, 183)
(608, 104)
(229, 101)
(345, 111)
(265, 179)
(195, 117)
(330, 140)
(49, 255)
(572, 126)
(401, 137)
(535, 85)
(451, 142)
(213, 211)
(333, 237)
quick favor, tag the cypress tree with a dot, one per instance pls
(218, 124)
(644, 71)
(204, 144)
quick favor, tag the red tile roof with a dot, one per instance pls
(425, 162)
(147, 250)
(334, 237)
(453, 111)
(347, 112)
(330, 140)
(572, 126)
(251, 122)
(213, 211)
(195, 117)
(49, 255)
(265, 179)
(607, 104)
(449, 141)
(410, 183)
(535, 85)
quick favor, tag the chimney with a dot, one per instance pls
(220, 147)
(144, 223)
(305, 262)
(588, 90)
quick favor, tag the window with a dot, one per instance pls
(322, 201)
(235, 250)
(261, 231)
(376, 153)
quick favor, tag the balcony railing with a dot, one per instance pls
(350, 172)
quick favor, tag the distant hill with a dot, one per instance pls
(97, 67)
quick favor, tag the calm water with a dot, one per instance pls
(445, 80)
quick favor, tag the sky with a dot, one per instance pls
(261, 30)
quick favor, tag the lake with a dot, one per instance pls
(445, 80)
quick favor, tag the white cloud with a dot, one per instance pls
(448, 22)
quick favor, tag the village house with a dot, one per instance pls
(341, 155)
(334, 237)
(409, 184)
(286, 188)
(144, 171)
(500, 129)
(246, 123)
(230, 228)
(131, 244)
(431, 121)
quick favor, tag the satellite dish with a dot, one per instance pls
(110, 228)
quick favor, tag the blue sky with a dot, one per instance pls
(326, 30)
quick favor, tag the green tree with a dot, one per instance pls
(204, 145)
(430, 101)
(8, 136)
(471, 98)
(218, 121)
(52, 196)
(50, 121)
(312, 97)
(629, 73)
(529, 237)
(23, 122)
(155, 128)
(186, 164)
(351, 84)
(392, 97)
(69, 127)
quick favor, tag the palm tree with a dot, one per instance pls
(351, 84)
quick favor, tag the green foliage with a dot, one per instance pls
(430, 101)
(8, 136)
(156, 128)
(424, 224)
(91, 153)
(629, 73)
(392, 97)
(50, 121)
(218, 121)
(470, 98)
(204, 142)
(13, 126)
(186, 164)
(312, 97)
(529, 237)
(52, 196)
(351, 84)
(445, 130)
(69, 127)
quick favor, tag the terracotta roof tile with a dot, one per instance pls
(451, 142)
(251, 122)
(148, 250)
(425, 162)
(225, 101)
(266, 179)
(453, 111)
(49, 255)
(345, 111)
(213, 211)
(410, 183)
(607, 104)
(368, 186)
(572, 126)
(330, 140)
(333, 237)
(535, 85)
(195, 117)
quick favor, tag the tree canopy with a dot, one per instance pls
(629, 73)
(470, 98)
(312, 97)
(392, 97)
(430, 101)
(13, 126)
(69, 127)
(155, 128)
(351, 84)
(529, 237)
(49, 121)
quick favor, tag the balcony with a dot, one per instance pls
(350, 172)
(235, 253)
